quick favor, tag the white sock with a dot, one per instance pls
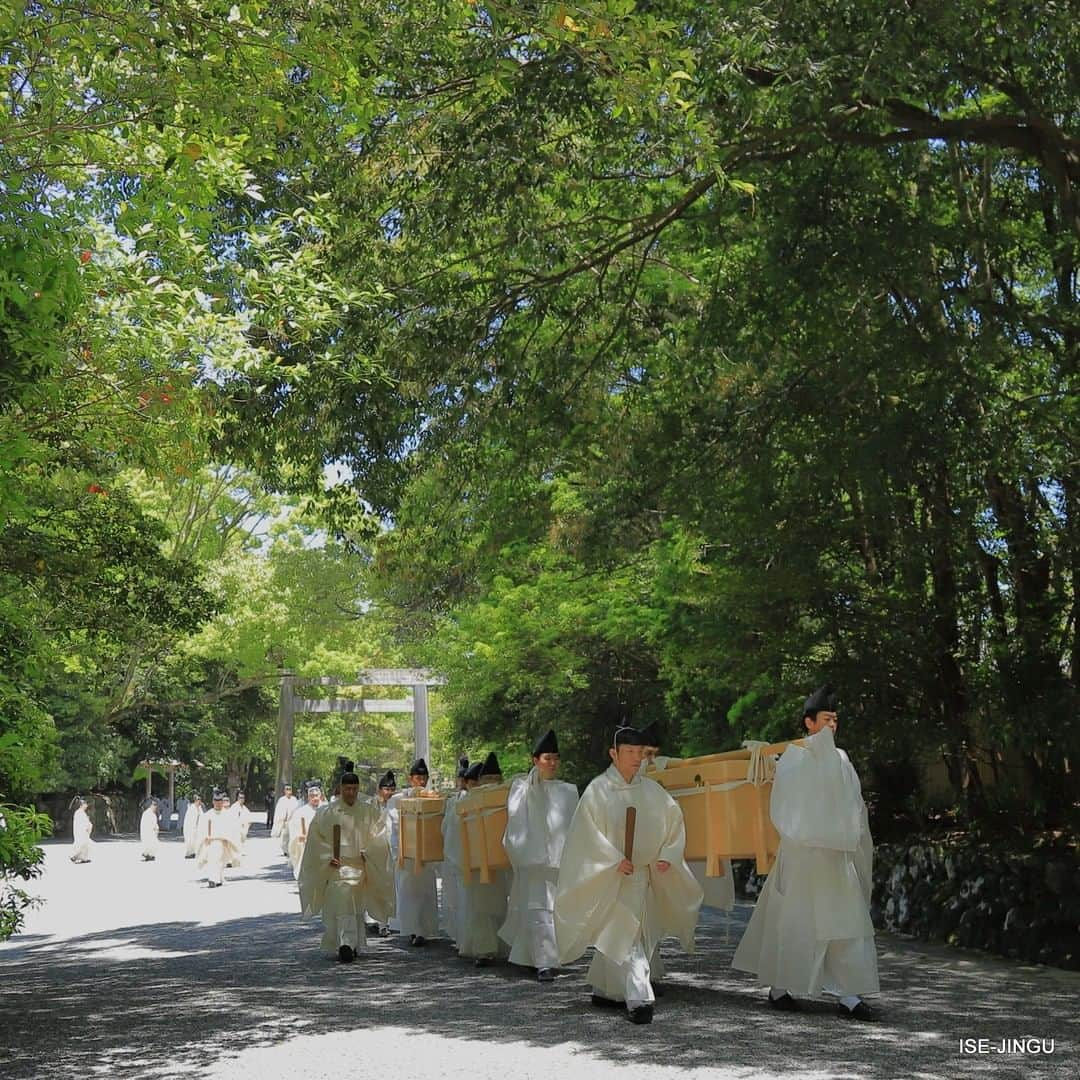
(776, 992)
(849, 1001)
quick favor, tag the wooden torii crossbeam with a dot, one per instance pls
(419, 679)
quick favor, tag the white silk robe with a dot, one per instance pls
(81, 828)
(148, 832)
(363, 882)
(811, 929)
(538, 816)
(217, 843)
(595, 904)
(299, 826)
(191, 827)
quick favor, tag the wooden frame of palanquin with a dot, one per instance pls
(420, 830)
(729, 824)
(482, 820)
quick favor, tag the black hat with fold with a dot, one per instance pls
(650, 734)
(349, 775)
(491, 766)
(627, 736)
(473, 772)
(462, 767)
(821, 700)
(418, 768)
(387, 780)
(546, 744)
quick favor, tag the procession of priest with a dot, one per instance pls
(536, 876)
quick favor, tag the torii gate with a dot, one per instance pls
(417, 678)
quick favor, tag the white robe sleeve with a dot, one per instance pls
(816, 798)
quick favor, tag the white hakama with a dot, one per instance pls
(481, 913)
(811, 931)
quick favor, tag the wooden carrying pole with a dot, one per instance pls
(337, 842)
(631, 825)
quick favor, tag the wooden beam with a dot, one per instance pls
(352, 705)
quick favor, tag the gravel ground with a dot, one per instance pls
(135, 970)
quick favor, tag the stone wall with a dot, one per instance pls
(1021, 905)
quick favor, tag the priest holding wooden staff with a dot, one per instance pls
(811, 931)
(623, 882)
(539, 809)
(345, 868)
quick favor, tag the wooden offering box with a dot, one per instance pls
(725, 818)
(482, 815)
(420, 831)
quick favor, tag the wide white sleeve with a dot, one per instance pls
(816, 797)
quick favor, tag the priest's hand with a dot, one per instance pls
(663, 866)
(626, 867)
(335, 862)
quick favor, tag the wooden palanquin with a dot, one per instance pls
(420, 830)
(482, 816)
(725, 818)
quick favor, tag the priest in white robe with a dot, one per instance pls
(243, 815)
(417, 898)
(482, 906)
(285, 806)
(811, 931)
(452, 855)
(81, 828)
(148, 831)
(345, 869)
(300, 826)
(622, 897)
(539, 809)
(217, 842)
(191, 826)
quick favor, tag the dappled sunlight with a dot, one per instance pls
(231, 982)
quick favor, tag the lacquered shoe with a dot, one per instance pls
(783, 1003)
(658, 989)
(545, 975)
(418, 940)
(346, 954)
(642, 1014)
(862, 1011)
(482, 962)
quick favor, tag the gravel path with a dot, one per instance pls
(134, 970)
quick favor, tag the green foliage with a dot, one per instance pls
(20, 858)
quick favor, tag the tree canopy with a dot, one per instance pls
(625, 360)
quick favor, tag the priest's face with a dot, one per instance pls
(385, 793)
(650, 752)
(627, 759)
(820, 720)
(288, 792)
(349, 793)
(547, 765)
(417, 780)
(314, 797)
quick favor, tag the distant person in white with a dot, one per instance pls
(148, 831)
(81, 828)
